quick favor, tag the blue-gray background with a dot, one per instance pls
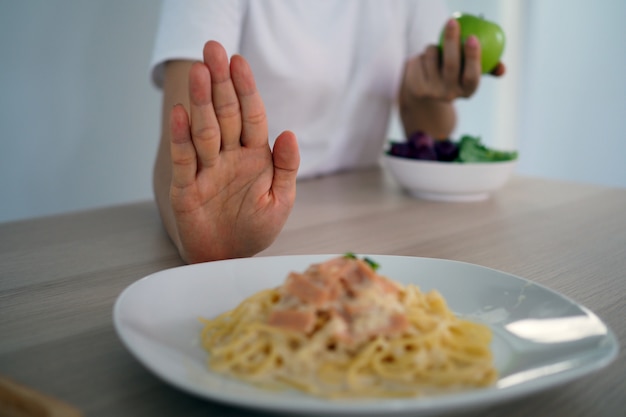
(79, 119)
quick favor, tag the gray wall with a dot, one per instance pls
(78, 116)
(79, 119)
(573, 106)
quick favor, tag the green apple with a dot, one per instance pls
(489, 34)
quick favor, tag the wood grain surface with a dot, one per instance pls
(60, 275)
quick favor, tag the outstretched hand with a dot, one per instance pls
(230, 193)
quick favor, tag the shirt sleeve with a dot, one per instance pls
(185, 26)
(427, 21)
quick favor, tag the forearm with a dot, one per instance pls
(174, 91)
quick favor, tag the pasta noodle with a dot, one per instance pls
(342, 330)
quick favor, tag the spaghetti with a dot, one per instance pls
(339, 329)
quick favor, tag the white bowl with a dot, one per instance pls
(448, 181)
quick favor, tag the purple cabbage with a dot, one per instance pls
(422, 146)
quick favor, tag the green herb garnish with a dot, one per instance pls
(374, 265)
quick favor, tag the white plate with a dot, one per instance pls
(541, 338)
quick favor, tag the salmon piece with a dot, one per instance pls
(325, 279)
(365, 327)
(397, 324)
(332, 265)
(358, 301)
(351, 277)
(358, 277)
(386, 286)
(295, 320)
(353, 310)
(308, 291)
(340, 326)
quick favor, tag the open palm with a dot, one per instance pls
(230, 193)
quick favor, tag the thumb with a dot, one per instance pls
(286, 159)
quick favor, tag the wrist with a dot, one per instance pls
(433, 116)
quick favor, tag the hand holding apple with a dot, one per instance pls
(489, 34)
(443, 73)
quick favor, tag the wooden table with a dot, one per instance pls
(59, 278)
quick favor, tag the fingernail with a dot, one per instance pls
(452, 23)
(472, 41)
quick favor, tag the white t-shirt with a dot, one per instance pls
(327, 70)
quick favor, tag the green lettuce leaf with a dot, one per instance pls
(472, 150)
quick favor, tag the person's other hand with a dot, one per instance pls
(230, 193)
(449, 75)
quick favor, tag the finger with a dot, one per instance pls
(286, 162)
(253, 117)
(430, 65)
(451, 55)
(414, 78)
(205, 130)
(499, 70)
(417, 78)
(182, 150)
(472, 67)
(225, 100)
